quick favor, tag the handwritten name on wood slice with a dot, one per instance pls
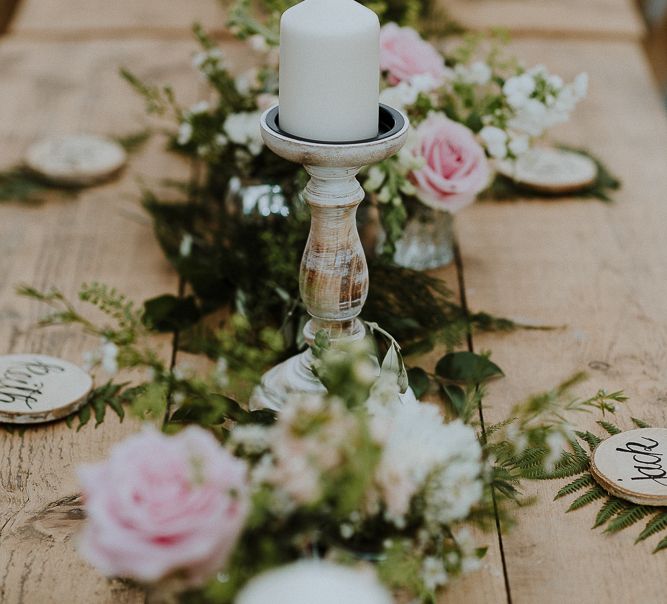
(37, 388)
(632, 465)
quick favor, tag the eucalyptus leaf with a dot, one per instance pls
(467, 368)
(419, 381)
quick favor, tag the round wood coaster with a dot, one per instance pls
(36, 388)
(75, 159)
(632, 465)
(550, 170)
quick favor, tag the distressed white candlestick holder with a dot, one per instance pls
(334, 275)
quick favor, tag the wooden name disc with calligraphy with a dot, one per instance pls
(75, 159)
(632, 465)
(36, 388)
(550, 170)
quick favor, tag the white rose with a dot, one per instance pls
(309, 581)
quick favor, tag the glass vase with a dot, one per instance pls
(427, 241)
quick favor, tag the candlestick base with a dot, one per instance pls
(289, 377)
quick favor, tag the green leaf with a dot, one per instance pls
(575, 485)
(655, 525)
(591, 439)
(610, 508)
(467, 367)
(587, 498)
(609, 427)
(419, 381)
(99, 405)
(640, 423)
(662, 545)
(84, 416)
(628, 517)
(169, 313)
(457, 397)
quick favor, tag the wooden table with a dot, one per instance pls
(599, 270)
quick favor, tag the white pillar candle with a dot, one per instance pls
(329, 71)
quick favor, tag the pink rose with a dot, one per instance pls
(161, 504)
(404, 54)
(455, 169)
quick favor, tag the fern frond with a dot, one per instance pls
(569, 465)
(609, 427)
(640, 423)
(590, 439)
(662, 545)
(611, 507)
(654, 525)
(627, 518)
(587, 498)
(576, 485)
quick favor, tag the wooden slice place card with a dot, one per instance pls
(75, 159)
(632, 465)
(37, 388)
(550, 170)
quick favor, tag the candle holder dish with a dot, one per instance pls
(334, 275)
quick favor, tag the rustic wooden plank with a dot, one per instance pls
(562, 18)
(102, 235)
(129, 18)
(600, 271)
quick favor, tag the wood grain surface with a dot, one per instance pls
(615, 19)
(598, 270)
(92, 19)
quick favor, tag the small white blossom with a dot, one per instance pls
(243, 129)
(399, 96)
(434, 574)
(556, 443)
(110, 357)
(478, 73)
(258, 43)
(184, 133)
(518, 90)
(221, 374)
(185, 249)
(220, 140)
(247, 81)
(375, 179)
(200, 107)
(495, 141)
(346, 531)
(531, 118)
(519, 144)
(253, 438)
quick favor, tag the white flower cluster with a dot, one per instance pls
(536, 100)
(208, 61)
(424, 457)
(407, 92)
(311, 437)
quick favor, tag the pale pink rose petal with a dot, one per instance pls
(163, 504)
(456, 168)
(404, 55)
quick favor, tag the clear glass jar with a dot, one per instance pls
(427, 241)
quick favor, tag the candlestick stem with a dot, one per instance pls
(333, 280)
